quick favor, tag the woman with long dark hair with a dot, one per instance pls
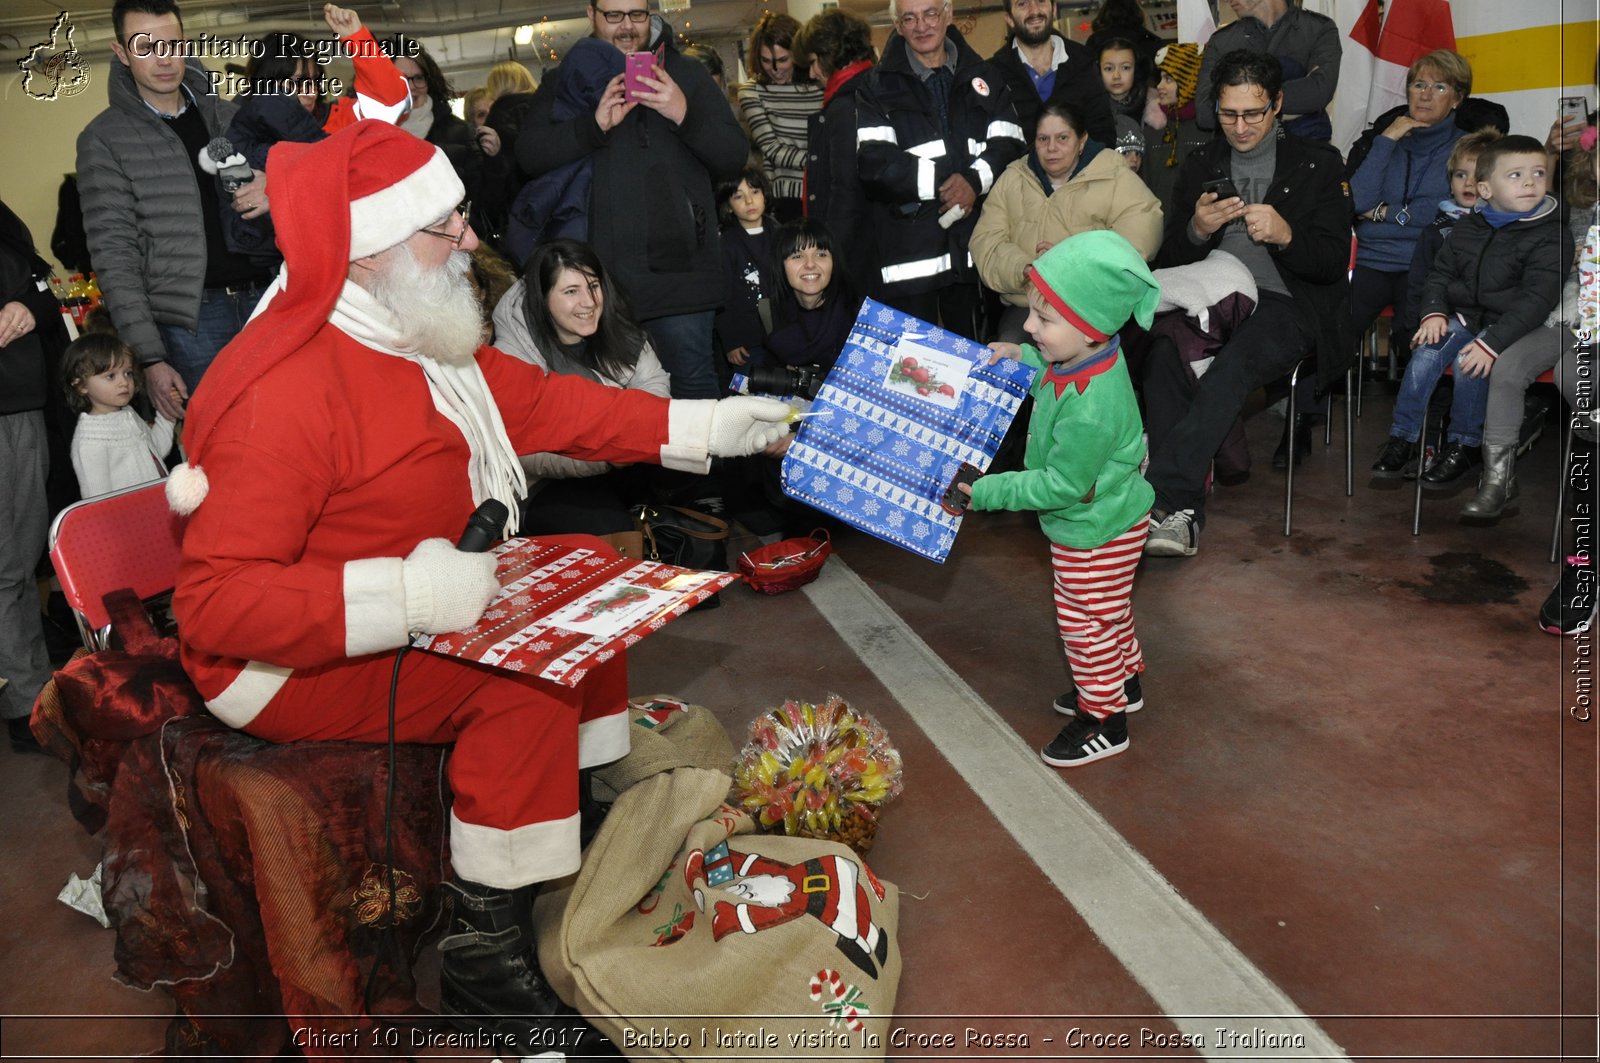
(567, 317)
(814, 304)
(777, 103)
(814, 301)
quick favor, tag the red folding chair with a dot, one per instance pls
(129, 538)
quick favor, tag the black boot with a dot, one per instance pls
(591, 810)
(1451, 467)
(1302, 442)
(490, 979)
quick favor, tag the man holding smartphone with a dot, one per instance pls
(1279, 205)
(659, 139)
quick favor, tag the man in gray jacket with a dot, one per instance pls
(1305, 44)
(175, 293)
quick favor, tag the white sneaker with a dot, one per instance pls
(1176, 535)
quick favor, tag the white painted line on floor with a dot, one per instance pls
(1195, 974)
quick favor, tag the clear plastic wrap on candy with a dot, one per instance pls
(818, 771)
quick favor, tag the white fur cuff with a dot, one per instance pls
(688, 446)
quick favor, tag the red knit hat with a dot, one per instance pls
(366, 188)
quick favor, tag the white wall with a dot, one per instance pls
(39, 145)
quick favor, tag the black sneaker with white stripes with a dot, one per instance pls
(1086, 740)
(1067, 704)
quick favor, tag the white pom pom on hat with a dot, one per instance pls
(187, 487)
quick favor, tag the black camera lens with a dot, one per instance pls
(802, 380)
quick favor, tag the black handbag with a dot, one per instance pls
(684, 537)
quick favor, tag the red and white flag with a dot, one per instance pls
(1411, 29)
(1359, 23)
(1195, 22)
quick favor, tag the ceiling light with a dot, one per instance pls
(523, 35)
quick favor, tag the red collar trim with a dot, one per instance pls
(1066, 311)
(1079, 375)
(836, 82)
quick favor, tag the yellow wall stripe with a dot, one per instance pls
(1539, 57)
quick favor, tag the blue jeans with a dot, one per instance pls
(1467, 404)
(683, 343)
(223, 312)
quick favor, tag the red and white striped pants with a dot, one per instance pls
(1094, 610)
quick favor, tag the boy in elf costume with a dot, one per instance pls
(1081, 473)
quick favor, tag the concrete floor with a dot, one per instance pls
(1355, 807)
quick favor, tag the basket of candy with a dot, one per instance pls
(786, 564)
(817, 771)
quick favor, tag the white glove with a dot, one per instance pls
(446, 590)
(747, 424)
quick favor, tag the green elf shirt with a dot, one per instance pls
(1085, 436)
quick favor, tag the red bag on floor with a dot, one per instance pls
(787, 564)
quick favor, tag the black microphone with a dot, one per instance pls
(483, 527)
(233, 174)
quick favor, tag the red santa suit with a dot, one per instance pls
(324, 452)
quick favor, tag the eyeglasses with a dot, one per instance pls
(418, 79)
(465, 210)
(930, 17)
(615, 17)
(1255, 117)
(1438, 88)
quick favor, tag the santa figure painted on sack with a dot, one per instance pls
(337, 444)
(772, 893)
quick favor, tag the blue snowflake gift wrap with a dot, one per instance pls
(905, 404)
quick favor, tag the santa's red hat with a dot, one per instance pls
(366, 188)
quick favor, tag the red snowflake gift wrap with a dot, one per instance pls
(561, 609)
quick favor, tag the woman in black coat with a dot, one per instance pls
(430, 117)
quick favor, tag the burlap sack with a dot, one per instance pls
(686, 935)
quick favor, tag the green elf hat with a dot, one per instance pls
(1096, 280)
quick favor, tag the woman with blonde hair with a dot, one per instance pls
(510, 88)
(508, 77)
(777, 104)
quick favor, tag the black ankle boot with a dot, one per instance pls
(490, 979)
(1451, 468)
(1302, 443)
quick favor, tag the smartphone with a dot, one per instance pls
(1222, 186)
(639, 64)
(1574, 107)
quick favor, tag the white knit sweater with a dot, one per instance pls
(111, 451)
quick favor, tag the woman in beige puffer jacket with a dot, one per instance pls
(1067, 184)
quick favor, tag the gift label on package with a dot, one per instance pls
(903, 408)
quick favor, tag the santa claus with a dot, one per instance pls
(335, 445)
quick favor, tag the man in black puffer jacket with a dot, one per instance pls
(935, 127)
(652, 207)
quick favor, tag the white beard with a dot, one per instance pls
(435, 311)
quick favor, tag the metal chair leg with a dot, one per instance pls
(1422, 452)
(1349, 440)
(1288, 480)
(1366, 347)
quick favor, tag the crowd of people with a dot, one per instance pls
(634, 235)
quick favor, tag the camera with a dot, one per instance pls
(802, 380)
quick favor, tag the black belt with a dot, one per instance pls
(238, 289)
